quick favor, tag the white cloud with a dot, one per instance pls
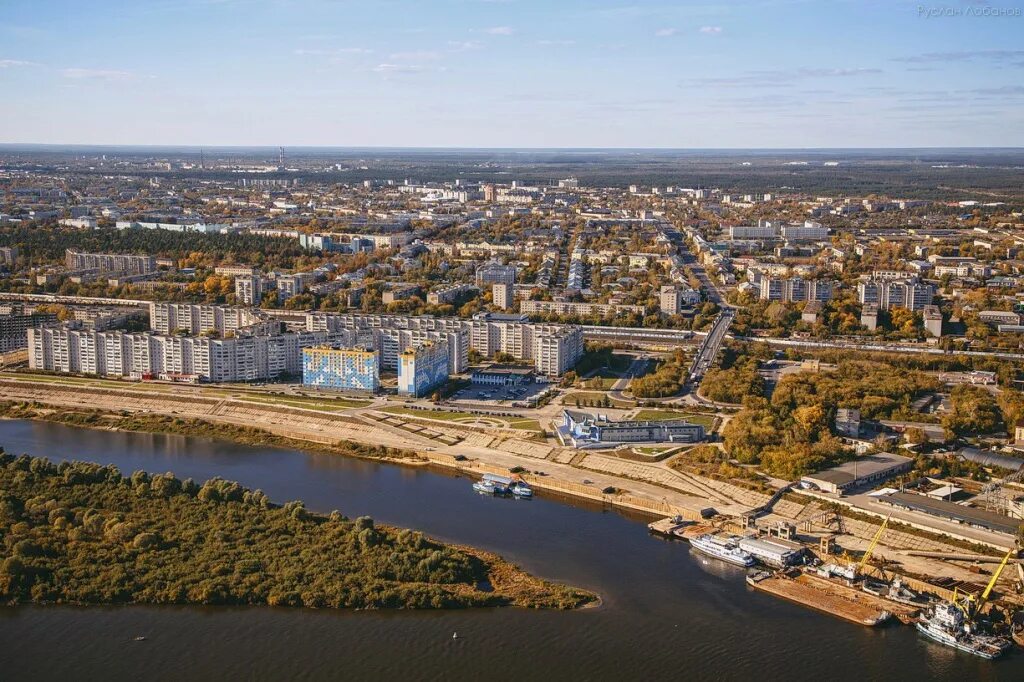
(96, 74)
(666, 32)
(500, 30)
(9, 63)
(711, 30)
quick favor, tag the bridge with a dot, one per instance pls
(709, 347)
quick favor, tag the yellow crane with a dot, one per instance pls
(871, 548)
(968, 603)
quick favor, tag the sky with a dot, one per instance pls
(513, 73)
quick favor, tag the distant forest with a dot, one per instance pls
(919, 173)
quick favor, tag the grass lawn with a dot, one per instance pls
(326, 404)
(706, 420)
(599, 383)
(593, 397)
(467, 418)
(525, 424)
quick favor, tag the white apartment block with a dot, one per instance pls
(125, 263)
(577, 308)
(495, 273)
(249, 290)
(810, 230)
(764, 231)
(246, 357)
(795, 289)
(449, 294)
(503, 295)
(672, 299)
(487, 335)
(166, 318)
(293, 285)
(904, 293)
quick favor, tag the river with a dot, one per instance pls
(666, 614)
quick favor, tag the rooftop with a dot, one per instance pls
(956, 512)
(859, 468)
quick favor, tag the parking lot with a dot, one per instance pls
(500, 395)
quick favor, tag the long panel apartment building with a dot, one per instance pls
(243, 357)
(192, 318)
(124, 263)
(907, 293)
(552, 348)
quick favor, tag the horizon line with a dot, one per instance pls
(197, 147)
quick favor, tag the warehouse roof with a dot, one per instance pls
(971, 516)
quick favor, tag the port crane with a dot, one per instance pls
(969, 604)
(871, 548)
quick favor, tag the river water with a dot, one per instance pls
(666, 614)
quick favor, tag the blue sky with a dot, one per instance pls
(513, 73)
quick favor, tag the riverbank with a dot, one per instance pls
(190, 426)
(82, 533)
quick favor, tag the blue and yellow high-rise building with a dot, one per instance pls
(342, 369)
(423, 368)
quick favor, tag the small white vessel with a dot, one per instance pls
(484, 487)
(521, 489)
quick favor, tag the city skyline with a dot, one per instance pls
(515, 74)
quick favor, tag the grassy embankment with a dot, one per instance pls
(153, 423)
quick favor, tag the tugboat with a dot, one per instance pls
(952, 623)
(947, 625)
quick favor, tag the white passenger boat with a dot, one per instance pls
(722, 547)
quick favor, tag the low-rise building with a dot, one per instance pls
(858, 472)
(583, 430)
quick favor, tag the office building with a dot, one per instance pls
(342, 369)
(423, 368)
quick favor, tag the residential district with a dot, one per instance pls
(827, 383)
